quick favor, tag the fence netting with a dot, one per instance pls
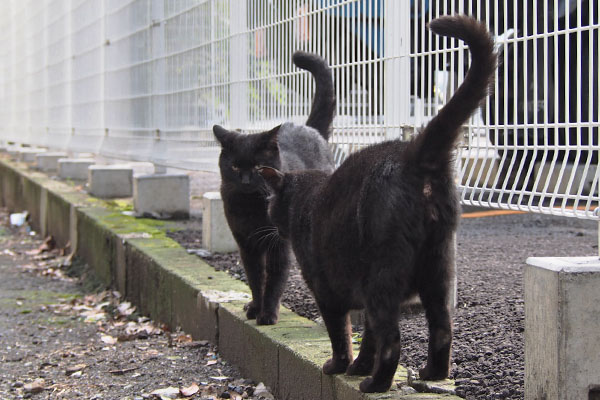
(146, 80)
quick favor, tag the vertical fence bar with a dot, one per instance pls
(239, 65)
(397, 102)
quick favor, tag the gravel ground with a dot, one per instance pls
(488, 348)
(60, 340)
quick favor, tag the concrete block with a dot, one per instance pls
(110, 181)
(562, 328)
(95, 244)
(48, 162)
(58, 218)
(166, 196)
(74, 168)
(561, 186)
(216, 235)
(142, 168)
(28, 154)
(11, 192)
(32, 195)
(243, 343)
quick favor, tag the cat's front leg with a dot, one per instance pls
(277, 265)
(255, 275)
(339, 330)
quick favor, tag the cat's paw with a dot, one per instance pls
(429, 374)
(333, 366)
(267, 318)
(359, 368)
(370, 386)
(251, 310)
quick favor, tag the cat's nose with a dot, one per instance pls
(245, 179)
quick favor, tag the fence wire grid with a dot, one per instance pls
(146, 80)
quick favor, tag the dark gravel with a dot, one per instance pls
(59, 340)
(488, 348)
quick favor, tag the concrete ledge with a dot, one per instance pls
(179, 289)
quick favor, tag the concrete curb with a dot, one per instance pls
(137, 258)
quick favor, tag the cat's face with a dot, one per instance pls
(242, 155)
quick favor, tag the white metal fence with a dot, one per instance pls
(147, 79)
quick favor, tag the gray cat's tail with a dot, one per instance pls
(323, 107)
(432, 148)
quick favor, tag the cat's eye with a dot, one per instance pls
(235, 168)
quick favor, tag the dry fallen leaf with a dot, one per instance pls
(168, 393)
(48, 245)
(37, 386)
(74, 368)
(183, 338)
(190, 391)
(108, 339)
(122, 371)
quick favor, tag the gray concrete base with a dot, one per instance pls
(110, 181)
(74, 168)
(163, 196)
(48, 162)
(562, 327)
(216, 235)
(180, 290)
(28, 155)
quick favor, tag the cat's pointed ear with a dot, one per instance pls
(271, 137)
(273, 177)
(223, 135)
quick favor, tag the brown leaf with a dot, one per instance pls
(108, 339)
(49, 244)
(75, 368)
(183, 338)
(122, 371)
(37, 386)
(190, 391)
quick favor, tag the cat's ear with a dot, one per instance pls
(271, 138)
(273, 177)
(224, 136)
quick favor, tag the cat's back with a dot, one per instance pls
(302, 147)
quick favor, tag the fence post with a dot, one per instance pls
(397, 67)
(158, 79)
(238, 64)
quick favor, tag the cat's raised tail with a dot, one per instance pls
(432, 148)
(323, 107)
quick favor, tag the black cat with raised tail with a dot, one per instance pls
(379, 229)
(286, 147)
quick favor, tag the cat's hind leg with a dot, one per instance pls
(363, 365)
(434, 295)
(339, 329)
(277, 266)
(384, 325)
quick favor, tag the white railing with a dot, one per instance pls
(147, 79)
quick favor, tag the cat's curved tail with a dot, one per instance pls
(323, 107)
(432, 148)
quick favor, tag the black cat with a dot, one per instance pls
(379, 229)
(286, 147)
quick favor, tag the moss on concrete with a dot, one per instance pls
(179, 289)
